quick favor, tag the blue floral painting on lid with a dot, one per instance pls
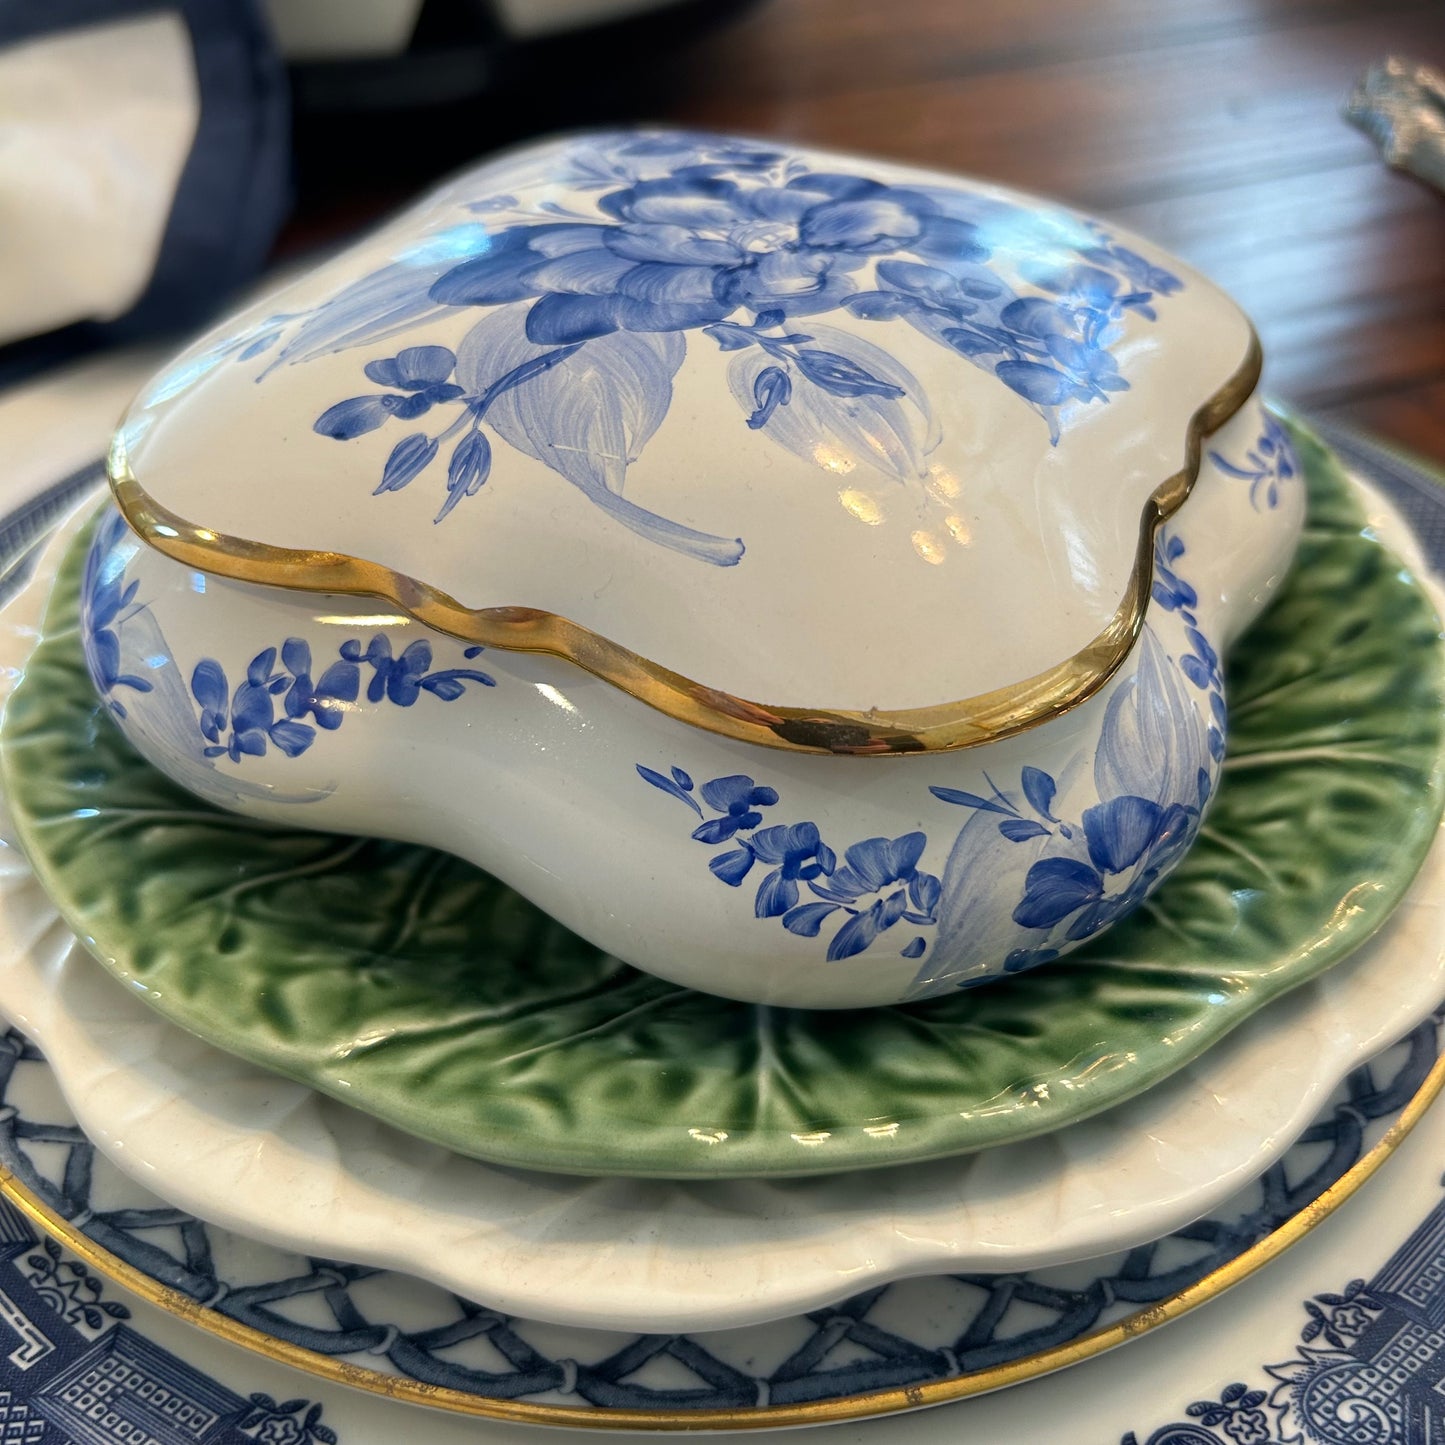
(668, 241)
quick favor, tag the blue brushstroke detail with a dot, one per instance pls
(877, 885)
(108, 603)
(697, 235)
(243, 723)
(1268, 463)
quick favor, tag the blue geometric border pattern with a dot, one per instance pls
(910, 1333)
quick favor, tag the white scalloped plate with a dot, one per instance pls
(270, 1158)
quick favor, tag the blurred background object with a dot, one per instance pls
(1212, 126)
(1401, 107)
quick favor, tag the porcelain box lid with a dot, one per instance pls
(766, 436)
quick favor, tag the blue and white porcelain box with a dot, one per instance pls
(805, 577)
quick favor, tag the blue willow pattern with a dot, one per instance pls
(586, 315)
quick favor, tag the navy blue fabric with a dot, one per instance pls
(234, 190)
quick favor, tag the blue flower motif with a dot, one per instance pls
(884, 870)
(1128, 838)
(737, 797)
(325, 700)
(689, 233)
(419, 374)
(690, 249)
(401, 680)
(1266, 465)
(249, 715)
(1170, 591)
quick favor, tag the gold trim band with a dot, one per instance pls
(824, 1412)
(943, 727)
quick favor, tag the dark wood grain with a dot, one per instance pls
(1212, 126)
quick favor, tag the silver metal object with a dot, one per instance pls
(1400, 105)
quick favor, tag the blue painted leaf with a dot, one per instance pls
(807, 918)
(589, 416)
(1055, 888)
(261, 344)
(732, 867)
(777, 893)
(384, 303)
(1039, 788)
(682, 779)
(468, 470)
(879, 305)
(969, 800)
(972, 344)
(1229, 469)
(730, 336)
(914, 949)
(1020, 830)
(1040, 384)
(668, 786)
(837, 374)
(856, 934)
(893, 428)
(292, 737)
(409, 457)
(355, 417)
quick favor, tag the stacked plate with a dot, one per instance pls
(1074, 1157)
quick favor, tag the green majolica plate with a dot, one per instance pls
(419, 989)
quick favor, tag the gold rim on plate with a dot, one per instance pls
(880, 732)
(765, 1417)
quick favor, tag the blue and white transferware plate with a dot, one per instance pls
(78, 1362)
(706, 459)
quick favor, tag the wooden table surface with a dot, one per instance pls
(1212, 126)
